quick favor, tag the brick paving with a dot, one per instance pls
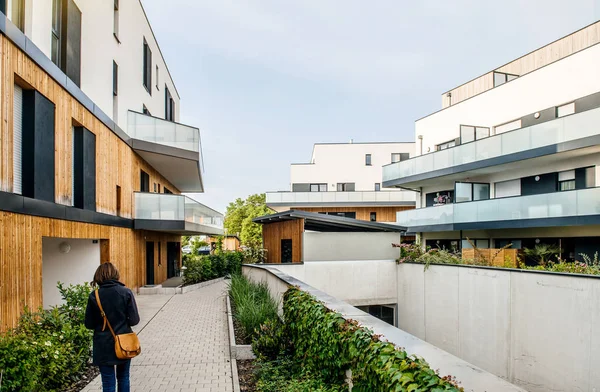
(185, 344)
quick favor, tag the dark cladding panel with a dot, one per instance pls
(38, 146)
(71, 41)
(543, 183)
(84, 192)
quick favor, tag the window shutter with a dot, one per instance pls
(17, 140)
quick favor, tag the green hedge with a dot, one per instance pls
(326, 344)
(49, 349)
(203, 268)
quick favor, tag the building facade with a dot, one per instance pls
(512, 157)
(344, 179)
(79, 183)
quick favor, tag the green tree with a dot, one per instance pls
(239, 215)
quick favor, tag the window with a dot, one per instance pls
(144, 181)
(116, 20)
(17, 139)
(445, 145)
(398, 157)
(345, 187)
(169, 106)
(480, 244)
(565, 110)
(157, 77)
(368, 159)
(351, 215)
(147, 67)
(466, 191)
(501, 78)
(318, 187)
(509, 126)
(115, 79)
(56, 17)
(373, 217)
(145, 110)
(590, 177)
(16, 13)
(377, 187)
(84, 169)
(155, 187)
(566, 180)
(167, 190)
(118, 200)
(470, 133)
(508, 188)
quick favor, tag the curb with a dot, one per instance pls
(233, 361)
(238, 351)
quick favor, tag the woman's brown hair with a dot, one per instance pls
(106, 271)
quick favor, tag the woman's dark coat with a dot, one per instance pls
(121, 310)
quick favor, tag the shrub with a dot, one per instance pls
(253, 304)
(283, 375)
(326, 345)
(271, 341)
(203, 268)
(255, 255)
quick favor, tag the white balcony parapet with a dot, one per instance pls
(316, 198)
(552, 132)
(169, 207)
(168, 133)
(548, 205)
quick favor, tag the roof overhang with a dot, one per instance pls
(180, 167)
(328, 223)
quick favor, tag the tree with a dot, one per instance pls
(239, 215)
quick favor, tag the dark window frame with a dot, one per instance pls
(475, 138)
(319, 186)
(368, 160)
(147, 70)
(116, 21)
(472, 191)
(344, 186)
(377, 187)
(115, 79)
(56, 32)
(505, 76)
(438, 147)
(373, 216)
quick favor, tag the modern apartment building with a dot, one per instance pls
(512, 157)
(92, 160)
(344, 179)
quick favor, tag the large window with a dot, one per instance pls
(169, 106)
(469, 133)
(147, 67)
(65, 45)
(445, 145)
(17, 139)
(508, 188)
(501, 78)
(56, 18)
(345, 187)
(368, 159)
(566, 180)
(399, 156)
(16, 13)
(466, 191)
(318, 187)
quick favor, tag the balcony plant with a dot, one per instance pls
(542, 253)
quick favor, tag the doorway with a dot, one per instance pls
(149, 263)
(286, 251)
(172, 258)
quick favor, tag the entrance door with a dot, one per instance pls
(286, 251)
(172, 258)
(149, 262)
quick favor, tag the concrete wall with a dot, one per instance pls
(470, 376)
(536, 330)
(349, 246)
(340, 163)
(359, 283)
(76, 267)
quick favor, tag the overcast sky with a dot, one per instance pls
(266, 79)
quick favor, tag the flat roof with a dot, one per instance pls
(329, 223)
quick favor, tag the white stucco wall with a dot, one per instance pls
(535, 330)
(553, 85)
(349, 246)
(359, 283)
(345, 163)
(76, 267)
(98, 50)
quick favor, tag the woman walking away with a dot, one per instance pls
(121, 312)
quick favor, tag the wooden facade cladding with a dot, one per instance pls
(559, 49)
(21, 257)
(116, 162)
(384, 214)
(273, 233)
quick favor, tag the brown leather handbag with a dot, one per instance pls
(127, 345)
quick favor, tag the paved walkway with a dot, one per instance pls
(185, 344)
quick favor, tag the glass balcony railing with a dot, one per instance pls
(162, 206)
(157, 130)
(292, 198)
(560, 130)
(548, 205)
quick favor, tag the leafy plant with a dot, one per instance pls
(542, 253)
(239, 216)
(271, 341)
(255, 255)
(203, 268)
(284, 375)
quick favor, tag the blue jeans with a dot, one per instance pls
(109, 382)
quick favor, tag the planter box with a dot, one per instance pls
(237, 351)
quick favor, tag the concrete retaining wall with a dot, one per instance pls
(349, 246)
(537, 330)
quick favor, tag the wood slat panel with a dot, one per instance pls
(273, 233)
(384, 214)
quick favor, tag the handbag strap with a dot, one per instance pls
(104, 315)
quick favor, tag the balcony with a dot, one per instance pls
(171, 148)
(340, 199)
(575, 132)
(175, 213)
(550, 209)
